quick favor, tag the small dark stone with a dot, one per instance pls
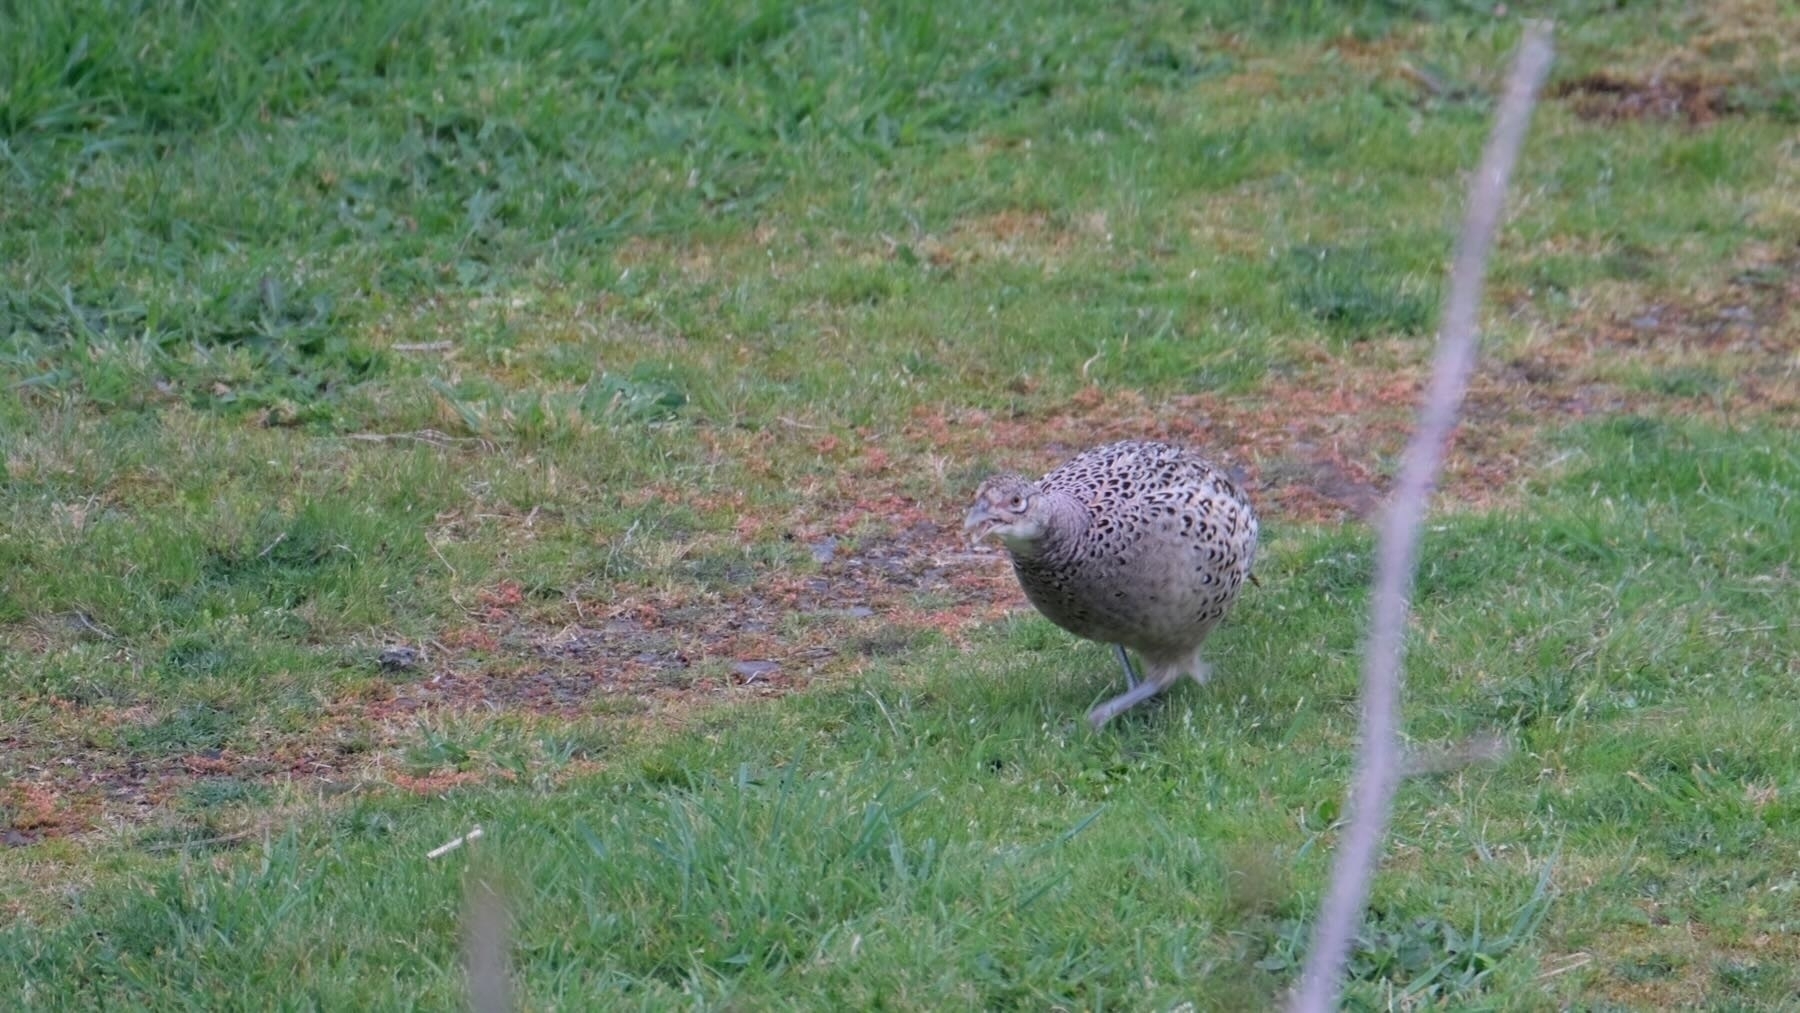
(400, 659)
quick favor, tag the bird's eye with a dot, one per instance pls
(1018, 503)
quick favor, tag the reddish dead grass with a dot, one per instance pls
(1691, 954)
(1723, 68)
(1609, 98)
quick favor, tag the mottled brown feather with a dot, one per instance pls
(1142, 544)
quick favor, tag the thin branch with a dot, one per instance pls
(427, 436)
(1378, 766)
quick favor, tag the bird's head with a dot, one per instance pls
(1010, 507)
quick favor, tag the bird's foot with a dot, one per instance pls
(1201, 673)
(1099, 716)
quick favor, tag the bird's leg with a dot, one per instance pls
(1099, 716)
(1200, 672)
(1131, 676)
(1139, 691)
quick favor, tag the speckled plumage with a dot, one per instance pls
(1139, 544)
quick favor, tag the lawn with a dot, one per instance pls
(558, 418)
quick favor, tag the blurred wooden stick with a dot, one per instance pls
(1378, 766)
(485, 933)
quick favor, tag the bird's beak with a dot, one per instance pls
(979, 523)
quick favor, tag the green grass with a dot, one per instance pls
(592, 351)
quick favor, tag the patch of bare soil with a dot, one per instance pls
(1728, 354)
(1609, 98)
(877, 584)
(81, 790)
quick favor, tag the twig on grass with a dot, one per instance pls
(1378, 767)
(445, 848)
(1576, 963)
(431, 437)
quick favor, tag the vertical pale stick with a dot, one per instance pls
(1378, 763)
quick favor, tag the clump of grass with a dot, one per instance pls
(252, 348)
(1424, 958)
(191, 728)
(1356, 295)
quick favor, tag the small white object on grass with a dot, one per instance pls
(445, 848)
